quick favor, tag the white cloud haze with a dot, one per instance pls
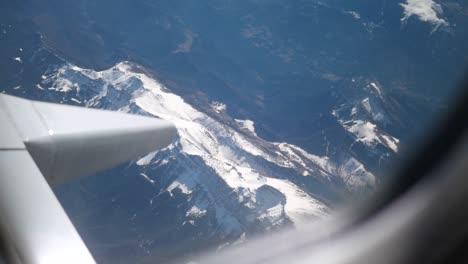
(426, 10)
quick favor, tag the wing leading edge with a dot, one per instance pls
(43, 144)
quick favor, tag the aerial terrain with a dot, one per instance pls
(285, 110)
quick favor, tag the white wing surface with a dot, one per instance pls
(43, 144)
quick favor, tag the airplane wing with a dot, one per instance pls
(43, 144)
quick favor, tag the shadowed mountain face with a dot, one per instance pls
(284, 109)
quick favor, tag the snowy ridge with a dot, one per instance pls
(254, 170)
(364, 118)
(368, 133)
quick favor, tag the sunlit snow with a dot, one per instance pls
(231, 153)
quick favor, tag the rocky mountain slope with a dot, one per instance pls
(225, 181)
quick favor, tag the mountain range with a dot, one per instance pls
(285, 111)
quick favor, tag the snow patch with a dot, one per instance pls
(367, 133)
(195, 212)
(147, 178)
(64, 85)
(146, 159)
(376, 116)
(177, 185)
(376, 89)
(75, 100)
(354, 14)
(246, 124)
(354, 174)
(218, 107)
(299, 205)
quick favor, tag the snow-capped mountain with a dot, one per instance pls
(364, 117)
(244, 180)
(279, 120)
